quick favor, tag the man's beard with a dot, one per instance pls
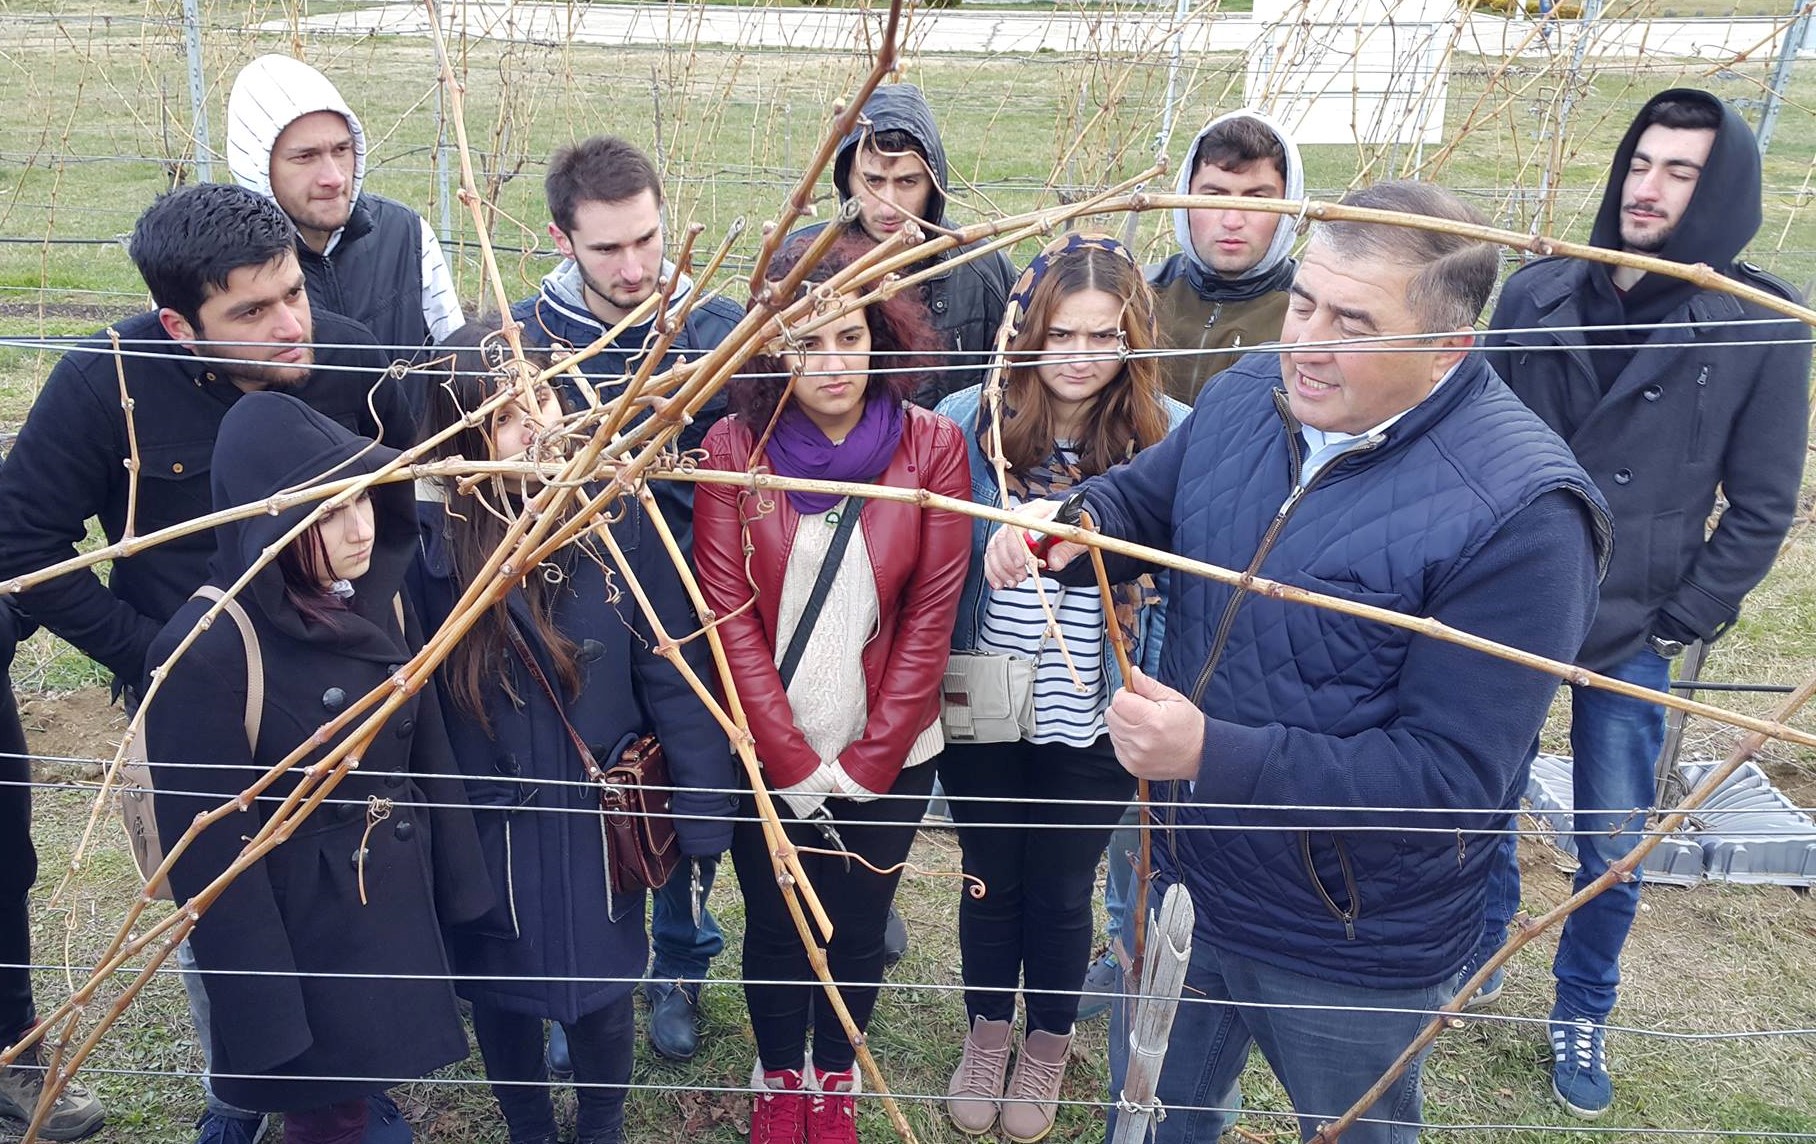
(1649, 243)
(250, 374)
(616, 301)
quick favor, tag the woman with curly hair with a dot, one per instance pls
(837, 614)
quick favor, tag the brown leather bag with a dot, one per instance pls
(641, 850)
(639, 824)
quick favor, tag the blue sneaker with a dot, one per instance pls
(385, 1123)
(1103, 981)
(1490, 992)
(1579, 1067)
(219, 1128)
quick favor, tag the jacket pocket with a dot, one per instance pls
(1350, 908)
(177, 483)
(497, 851)
(1699, 417)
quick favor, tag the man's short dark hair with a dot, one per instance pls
(1237, 142)
(1684, 114)
(189, 240)
(1455, 274)
(603, 169)
(893, 142)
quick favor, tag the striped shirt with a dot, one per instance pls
(1014, 624)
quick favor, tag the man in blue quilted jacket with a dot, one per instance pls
(1330, 783)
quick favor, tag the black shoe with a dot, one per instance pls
(561, 1062)
(895, 939)
(674, 1020)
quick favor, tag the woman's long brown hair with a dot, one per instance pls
(1128, 414)
(474, 529)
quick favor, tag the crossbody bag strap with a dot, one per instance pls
(522, 648)
(255, 659)
(822, 586)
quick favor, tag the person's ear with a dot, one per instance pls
(178, 327)
(1448, 351)
(562, 242)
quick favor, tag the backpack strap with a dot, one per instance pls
(255, 660)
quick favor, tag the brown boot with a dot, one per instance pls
(1029, 1102)
(977, 1083)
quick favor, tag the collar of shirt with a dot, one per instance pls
(1321, 447)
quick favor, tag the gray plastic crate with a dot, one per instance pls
(1677, 860)
(1745, 832)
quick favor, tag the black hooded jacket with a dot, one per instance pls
(306, 979)
(967, 300)
(1659, 418)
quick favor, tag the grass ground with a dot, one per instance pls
(101, 111)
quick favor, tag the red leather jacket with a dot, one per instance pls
(919, 557)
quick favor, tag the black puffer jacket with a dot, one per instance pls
(1691, 408)
(966, 300)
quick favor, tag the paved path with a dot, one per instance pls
(937, 31)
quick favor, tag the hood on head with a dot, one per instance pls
(271, 442)
(270, 94)
(1724, 211)
(896, 107)
(1282, 245)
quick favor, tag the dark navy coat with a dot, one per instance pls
(306, 979)
(540, 831)
(1467, 509)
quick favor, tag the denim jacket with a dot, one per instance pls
(962, 408)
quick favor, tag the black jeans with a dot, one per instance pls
(18, 860)
(601, 1044)
(1038, 862)
(856, 900)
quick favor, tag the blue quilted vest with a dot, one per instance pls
(1386, 524)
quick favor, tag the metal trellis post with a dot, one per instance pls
(198, 92)
(1781, 74)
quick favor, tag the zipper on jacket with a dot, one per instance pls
(1696, 417)
(1346, 916)
(1268, 540)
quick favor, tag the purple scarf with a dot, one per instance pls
(798, 448)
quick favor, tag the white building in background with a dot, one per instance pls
(1353, 71)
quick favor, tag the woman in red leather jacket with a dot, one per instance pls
(842, 697)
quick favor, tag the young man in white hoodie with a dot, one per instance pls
(291, 137)
(606, 218)
(1225, 290)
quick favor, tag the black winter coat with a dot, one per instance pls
(966, 300)
(306, 979)
(1677, 422)
(67, 467)
(557, 942)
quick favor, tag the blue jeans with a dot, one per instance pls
(1324, 1052)
(1615, 742)
(200, 1016)
(1119, 875)
(683, 950)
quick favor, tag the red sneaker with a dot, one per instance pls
(832, 1113)
(779, 1113)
